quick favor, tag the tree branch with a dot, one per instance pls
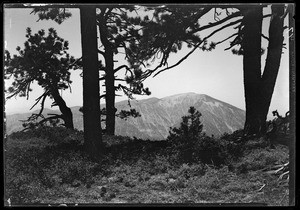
(76, 61)
(264, 36)
(19, 89)
(101, 52)
(118, 79)
(210, 25)
(51, 118)
(27, 91)
(108, 13)
(268, 15)
(44, 95)
(120, 67)
(187, 55)
(235, 34)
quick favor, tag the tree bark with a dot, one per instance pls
(64, 109)
(110, 92)
(273, 59)
(91, 89)
(252, 66)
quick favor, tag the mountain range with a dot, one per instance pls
(158, 115)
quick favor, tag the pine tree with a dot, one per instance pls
(190, 127)
(45, 60)
(90, 64)
(116, 30)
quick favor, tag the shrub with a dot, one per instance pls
(160, 165)
(189, 144)
(190, 127)
(210, 150)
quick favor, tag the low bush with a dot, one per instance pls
(190, 145)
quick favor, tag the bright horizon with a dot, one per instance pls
(218, 73)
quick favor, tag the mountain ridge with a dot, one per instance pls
(158, 115)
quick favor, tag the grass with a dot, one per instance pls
(50, 167)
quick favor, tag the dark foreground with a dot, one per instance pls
(48, 167)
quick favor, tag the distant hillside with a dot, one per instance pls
(158, 115)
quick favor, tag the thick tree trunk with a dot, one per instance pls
(64, 109)
(259, 89)
(252, 66)
(110, 92)
(91, 98)
(273, 58)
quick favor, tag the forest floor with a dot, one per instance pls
(50, 168)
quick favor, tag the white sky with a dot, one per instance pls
(218, 73)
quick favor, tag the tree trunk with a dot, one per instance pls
(259, 89)
(64, 109)
(273, 58)
(91, 98)
(109, 75)
(110, 92)
(252, 66)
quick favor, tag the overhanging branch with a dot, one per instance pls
(101, 52)
(188, 54)
(51, 118)
(120, 67)
(235, 34)
(43, 96)
(210, 25)
(264, 36)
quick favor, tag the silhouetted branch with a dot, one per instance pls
(27, 91)
(210, 25)
(19, 89)
(235, 34)
(51, 118)
(187, 55)
(267, 38)
(102, 96)
(216, 14)
(101, 52)
(236, 41)
(75, 62)
(44, 95)
(120, 67)
(268, 15)
(118, 79)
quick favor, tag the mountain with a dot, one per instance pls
(158, 115)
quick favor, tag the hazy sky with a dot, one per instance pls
(218, 73)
